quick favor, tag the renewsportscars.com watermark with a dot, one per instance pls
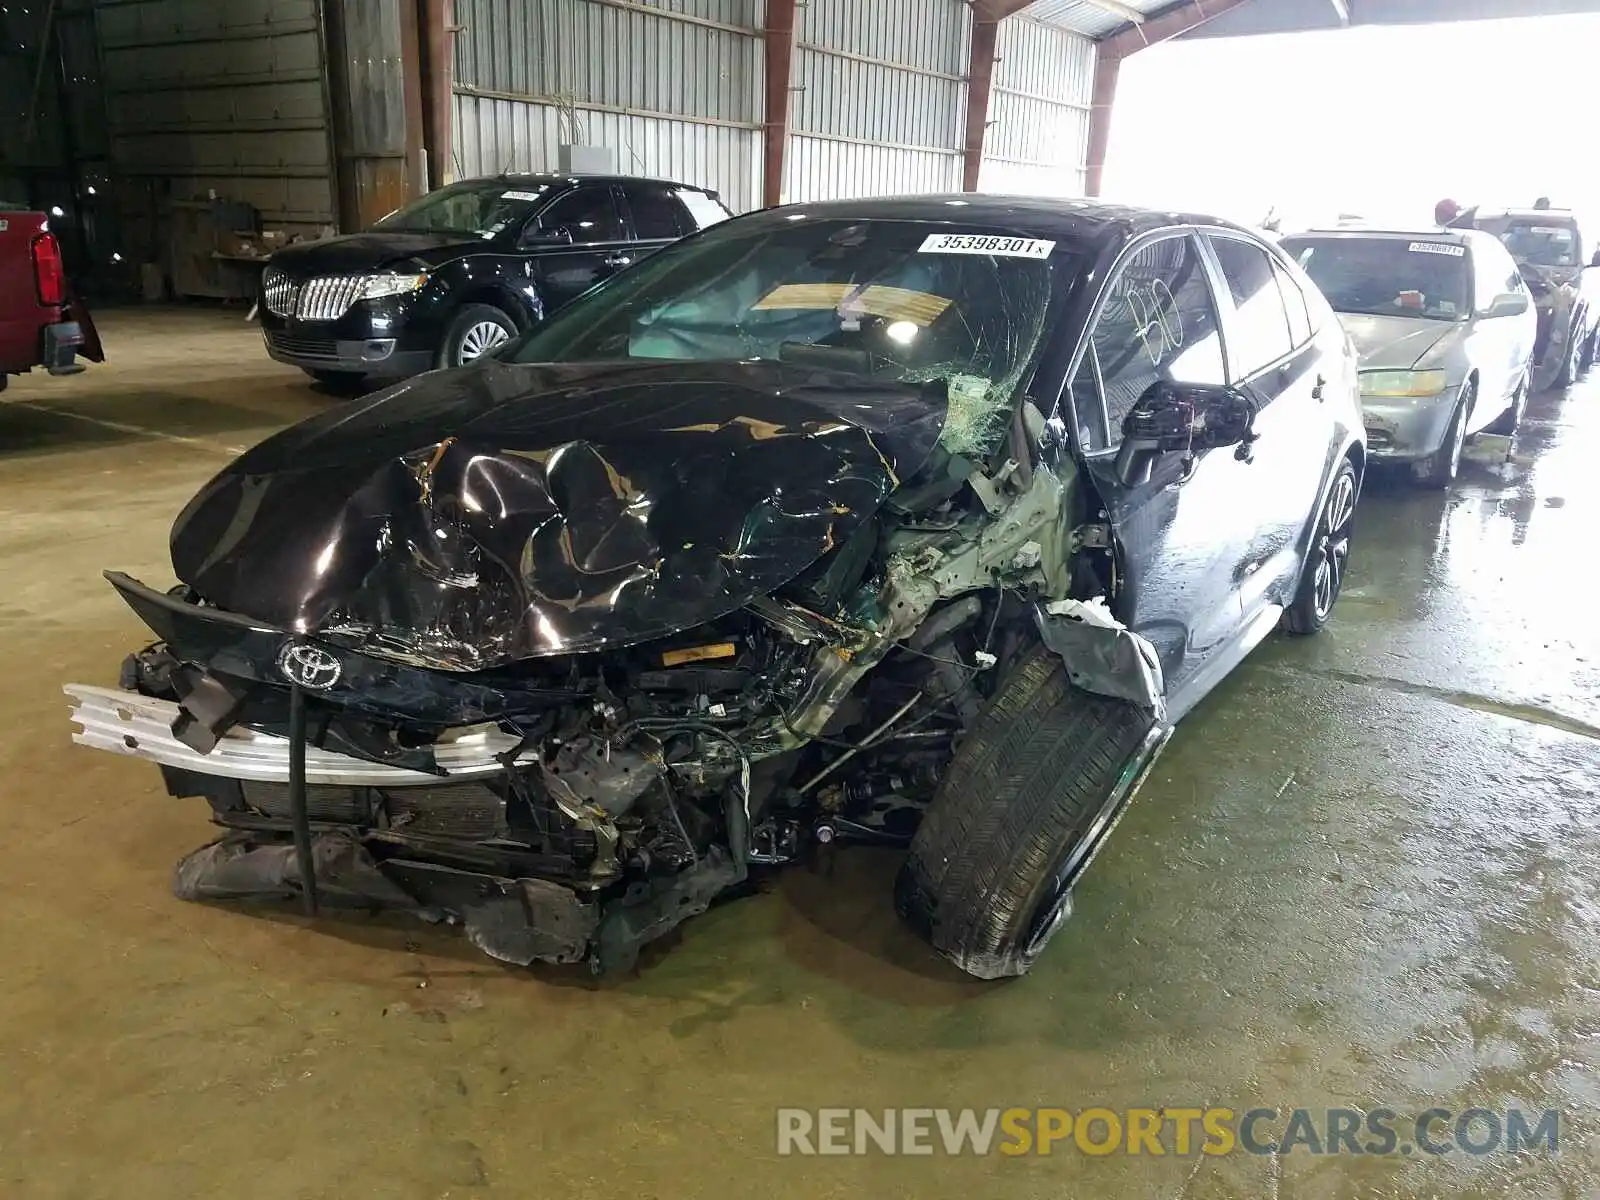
(966, 1132)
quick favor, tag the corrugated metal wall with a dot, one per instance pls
(1038, 135)
(880, 100)
(228, 96)
(673, 87)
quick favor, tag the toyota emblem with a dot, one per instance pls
(308, 666)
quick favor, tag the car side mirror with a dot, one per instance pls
(1595, 261)
(1184, 418)
(1507, 304)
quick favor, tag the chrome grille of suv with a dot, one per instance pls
(328, 297)
(280, 292)
(325, 298)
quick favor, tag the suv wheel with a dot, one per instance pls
(477, 329)
(1322, 577)
(1035, 787)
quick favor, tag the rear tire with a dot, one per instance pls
(476, 329)
(1439, 469)
(1034, 788)
(1322, 577)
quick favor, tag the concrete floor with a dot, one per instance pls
(1364, 874)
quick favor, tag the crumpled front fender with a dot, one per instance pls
(1102, 655)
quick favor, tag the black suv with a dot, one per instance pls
(457, 272)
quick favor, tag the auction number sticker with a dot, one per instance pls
(1437, 248)
(519, 195)
(983, 243)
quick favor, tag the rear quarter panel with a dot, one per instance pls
(21, 315)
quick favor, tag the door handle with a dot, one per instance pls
(617, 260)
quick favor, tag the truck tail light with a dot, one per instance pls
(48, 277)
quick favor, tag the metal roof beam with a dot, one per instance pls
(1117, 9)
(1165, 25)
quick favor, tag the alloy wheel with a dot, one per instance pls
(1333, 544)
(479, 339)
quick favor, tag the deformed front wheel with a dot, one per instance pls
(1032, 792)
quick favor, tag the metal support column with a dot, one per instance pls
(1106, 66)
(1109, 54)
(299, 816)
(437, 100)
(779, 38)
(980, 78)
(986, 18)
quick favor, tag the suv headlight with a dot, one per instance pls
(1402, 383)
(375, 287)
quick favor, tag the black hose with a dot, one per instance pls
(299, 817)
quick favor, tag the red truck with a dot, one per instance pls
(41, 322)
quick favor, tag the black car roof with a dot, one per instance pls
(1088, 220)
(1432, 233)
(548, 177)
(1536, 214)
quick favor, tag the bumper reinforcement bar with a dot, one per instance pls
(141, 727)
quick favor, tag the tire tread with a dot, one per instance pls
(1036, 768)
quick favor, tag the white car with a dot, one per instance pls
(1445, 328)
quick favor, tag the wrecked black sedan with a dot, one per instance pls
(917, 521)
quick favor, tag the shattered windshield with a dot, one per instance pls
(481, 208)
(894, 299)
(1387, 277)
(1542, 242)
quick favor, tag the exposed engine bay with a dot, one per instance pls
(564, 788)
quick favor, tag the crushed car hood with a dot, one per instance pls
(1396, 343)
(473, 518)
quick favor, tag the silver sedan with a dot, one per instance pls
(1444, 327)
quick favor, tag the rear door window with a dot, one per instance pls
(658, 215)
(1294, 303)
(705, 210)
(1259, 335)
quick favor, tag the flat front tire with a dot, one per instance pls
(1031, 794)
